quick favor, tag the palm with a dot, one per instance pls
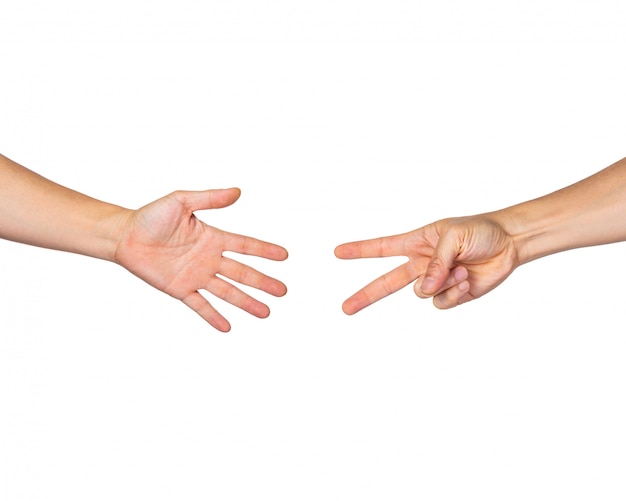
(479, 252)
(168, 247)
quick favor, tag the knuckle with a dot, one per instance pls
(444, 301)
(386, 285)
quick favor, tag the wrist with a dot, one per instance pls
(516, 224)
(109, 231)
(538, 228)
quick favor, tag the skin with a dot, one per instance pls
(163, 243)
(456, 260)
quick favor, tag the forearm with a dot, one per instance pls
(590, 212)
(37, 211)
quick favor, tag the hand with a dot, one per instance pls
(165, 245)
(453, 261)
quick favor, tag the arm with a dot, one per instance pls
(162, 243)
(460, 259)
(36, 211)
(590, 212)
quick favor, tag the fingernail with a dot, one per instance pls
(427, 285)
(460, 274)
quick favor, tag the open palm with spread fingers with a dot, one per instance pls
(452, 260)
(167, 246)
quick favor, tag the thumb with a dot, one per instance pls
(441, 263)
(208, 199)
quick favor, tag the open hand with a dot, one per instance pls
(165, 245)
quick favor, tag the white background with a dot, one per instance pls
(339, 120)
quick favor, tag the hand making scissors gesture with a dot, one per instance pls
(453, 261)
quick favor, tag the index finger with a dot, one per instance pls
(254, 247)
(376, 247)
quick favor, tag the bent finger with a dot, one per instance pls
(453, 296)
(442, 260)
(455, 277)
